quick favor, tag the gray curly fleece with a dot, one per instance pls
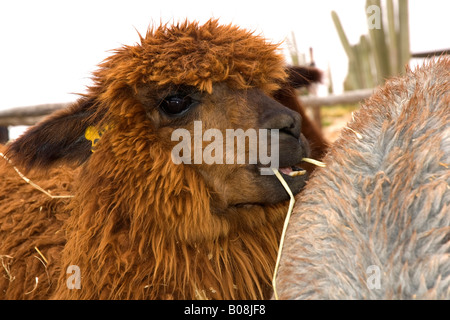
(375, 223)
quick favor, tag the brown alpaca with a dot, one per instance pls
(375, 223)
(140, 226)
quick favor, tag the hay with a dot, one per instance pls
(288, 217)
(314, 162)
(34, 185)
(35, 286)
(43, 257)
(286, 222)
(7, 267)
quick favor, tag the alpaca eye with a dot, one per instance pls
(176, 105)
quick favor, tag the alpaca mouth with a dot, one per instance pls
(290, 157)
(293, 171)
(287, 171)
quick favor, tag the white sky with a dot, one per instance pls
(49, 48)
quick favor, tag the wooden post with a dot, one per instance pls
(4, 135)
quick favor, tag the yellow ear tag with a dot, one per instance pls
(93, 134)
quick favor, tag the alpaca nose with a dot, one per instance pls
(274, 115)
(283, 119)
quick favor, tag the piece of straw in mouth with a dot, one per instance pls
(283, 233)
(297, 173)
(314, 162)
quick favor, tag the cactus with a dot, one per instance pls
(353, 79)
(403, 39)
(297, 58)
(365, 61)
(330, 81)
(382, 53)
(393, 36)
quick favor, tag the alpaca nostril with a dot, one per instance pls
(293, 129)
(288, 123)
(274, 115)
(277, 116)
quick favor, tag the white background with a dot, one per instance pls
(49, 48)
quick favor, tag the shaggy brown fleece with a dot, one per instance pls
(198, 55)
(140, 226)
(31, 222)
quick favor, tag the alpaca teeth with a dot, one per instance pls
(297, 173)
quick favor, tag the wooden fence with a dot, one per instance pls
(30, 115)
(33, 114)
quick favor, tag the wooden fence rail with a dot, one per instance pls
(349, 97)
(32, 114)
(28, 115)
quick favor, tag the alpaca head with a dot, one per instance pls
(185, 77)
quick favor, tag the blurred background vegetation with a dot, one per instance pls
(381, 53)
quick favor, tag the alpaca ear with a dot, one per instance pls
(299, 76)
(58, 138)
